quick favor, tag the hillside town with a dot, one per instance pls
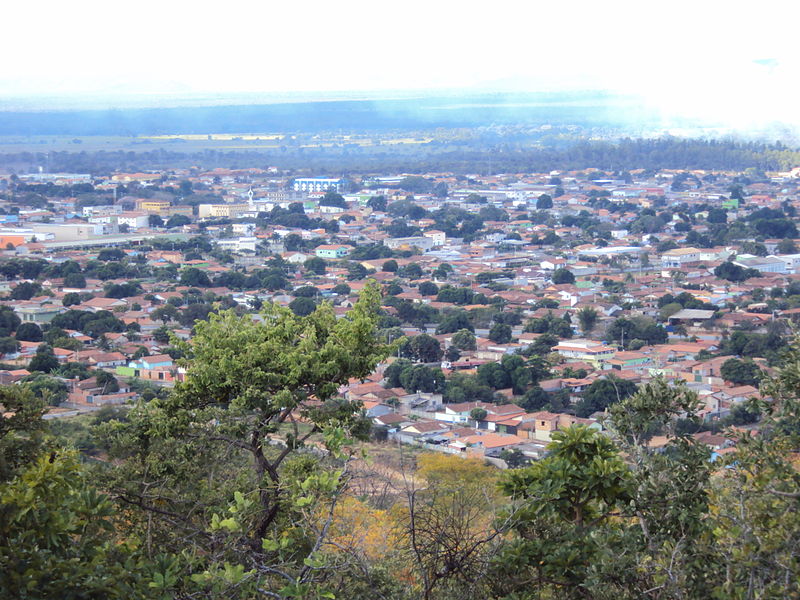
(518, 304)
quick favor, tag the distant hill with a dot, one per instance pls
(582, 108)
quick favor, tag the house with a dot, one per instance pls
(407, 243)
(38, 314)
(374, 408)
(678, 257)
(421, 431)
(332, 251)
(541, 425)
(590, 351)
(89, 391)
(9, 377)
(487, 444)
(499, 416)
(629, 360)
(98, 304)
(392, 421)
(691, 316)
(153, 362)
(106, 359)
(460, 412)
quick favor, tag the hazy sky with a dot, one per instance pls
(731, 59)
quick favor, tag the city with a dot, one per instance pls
(685, 275)
(349, 301)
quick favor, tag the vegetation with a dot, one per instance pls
(246, 481)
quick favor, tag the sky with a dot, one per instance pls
(705, 58)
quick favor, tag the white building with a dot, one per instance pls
(765, 264)
(679, 256)
(134, 220)
(92, 211)
(317, 184)
(247, 244)
(439, 237)
(244, 229)
(585, 350)
(792, 262)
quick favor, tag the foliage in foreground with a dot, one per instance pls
(245, 483)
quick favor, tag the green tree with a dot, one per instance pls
(544, 202)
(562, 503)
(428, 288)
(315, 265)
(306, 291)
(177, 221)
(123, 290)
(411, 271)
(54, 540)
(161, 335)
(741, 372)
(166, 313)
(51, 390)
(251, 379)
(302, 306)
(8, 345)
(452, 354)
(478, 414)
(668, 310)
(107, 382)
(71, 299)
(735, 273)
(786, 246)
(21, 429)
(44, 360)
(392, 373)
(534, 399)
(25, 291)
(462, 387)
(758, 522)
(420, 378)
(453, 322)
(602, 393)
(562, 276)
(293, 242)
(110, 254)
(333, 198)
(29, 332)
(194, 277)
(500, 333)
(587, 317)
(194, 312)
(377, 203)
(75, 280)
(9, 321)
(670, 495)
(464, 339)
(424, 348)
(717, 215)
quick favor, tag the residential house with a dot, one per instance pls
(332, 251)
(589, 351)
